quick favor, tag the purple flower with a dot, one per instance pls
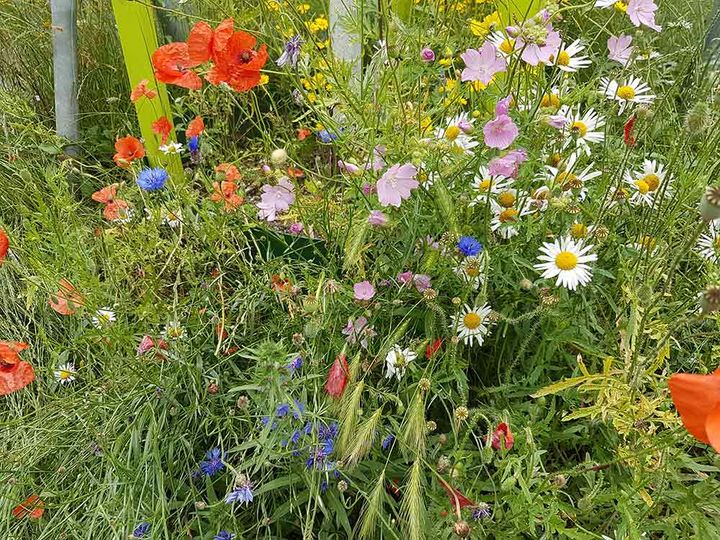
(404, 278)
(482, 64)
(296, 228)
(500, 132)
(363, 290)
(620, 49)
(282, 410)
(427, 55)
(358, 330)
(377, 218)
(295, 364)
(387, 441)
(242, 494)
(378, 159)
(291, 53)
(422, 282)
(538, 50)
(503, 106)
(368, 188)
(276, 199)
(481, 511)
(214, 462)
(643, 12)
(507, 165)
(557, 121)
(141, 530)
(350, 168)
(396, 184)
(224, 535)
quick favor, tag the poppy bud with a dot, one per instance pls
(461, 529)
(337, 377)
(4, 245)
(710, 299)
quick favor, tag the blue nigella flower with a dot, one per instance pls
(193, 144)
(469, 246)
(325, 136)
(295, 436)
(152, 179)
(387, 442)
(224, 535)
(213, 464)
(299, 409)
(141, 530)
(242, 494)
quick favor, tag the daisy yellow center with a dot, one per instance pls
(652, 180)
(65, 374)
(578, 230)
(473, 271)
(507, 46)
(471, 320)
(172, 217)
(626, 92)
(452, 132)
(563, 59)
(642, 186)
(568, 180)
(509, 214)
(175, 332)
(550, 100)
(647, 242)
(506, 199)
(579, 127)
(485, 184)
(566, 260)
(400, 360)
(716, 243)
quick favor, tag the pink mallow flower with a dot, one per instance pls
(363, 290)
(422, 282)
(396, 184)
(276, 199)
(538, 52)
(620, 49)
(404, 277)
(643, 12)
(508, 165)
(482, 64)
(377, 218)
(500, 132)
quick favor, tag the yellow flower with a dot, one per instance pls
(323, 44)
(621, 6)
(318, 25)
(311, 97)
(264, 79)
(484, 27)
(445, 62)
(303, 8)
(478, 86)
(451, 84)
(273, 5)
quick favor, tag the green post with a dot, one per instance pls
(138, 36)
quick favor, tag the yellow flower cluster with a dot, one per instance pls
(487, 25)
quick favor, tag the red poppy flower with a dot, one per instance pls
(230, 172)
(502, 437)
(67, 299)
(204, 43)
(141, 90)
(295, 173)
(303, 133)
(227, 192)
(628, 137)
(279, 283)
(238, 64)
(337, 377)
(15, 373)
(456, 497)
(697, 399)
(4, 245)
(172, 65)
(32, 507)
(433, 347)
(147, 343)
(114, 208)
(162, 127)
(195, 127)
(128, 149)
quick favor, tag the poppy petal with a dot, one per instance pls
(223, 33)
(4, 245)
(337, 377)
(712, 428)
(200, 43)
(16, 378)
(694, 397)
(32, 507)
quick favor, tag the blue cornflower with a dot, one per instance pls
(323, 486)
(307, 430)
(291, 53)
(282, 410)
(152, 179)
(224, 535)
(193, 144)
(299, 409)
(242, 494)
(141, 530)
(295, 436)
(325, 136)
(295, 365)
(387, 441)
(213, 464)
(469, 246)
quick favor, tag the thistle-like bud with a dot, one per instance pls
(462, 529)
(710, 299)
(430, 426)
(710, 203)
(462, 413)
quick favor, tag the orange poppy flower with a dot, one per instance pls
(226, 191)
(67, 299)
(238, 64)
(114, 208)
(141, 90)
(128, 149)
(303, 133)
(32, 507)
(195, 127)
(697, 399)
(162, 127)
(4, 245)
(172, 66)
(106, 194)
(204, 43)
(230, 172)
(15, 373)
(295, 173)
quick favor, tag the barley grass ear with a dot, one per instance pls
(364, 439)
(412, 509)
(349, 417)
(413, 429)
(372, 509)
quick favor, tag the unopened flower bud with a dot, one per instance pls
(278, 156)
(710, 299)
(430, 426)
(461, 529)
(710, 203)
(342, 486)
(526, 284)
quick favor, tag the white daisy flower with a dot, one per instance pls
(605, 3)
(538, 201)
(425, 176)
(569, 59)
(471, 270)
(65, 373)
(583, 128)
(124, 215)
(397, 360)
(473, 324)
(171, 148)
(709, 244)
(457, 133)
(633, 91)
(503, 44)
(567, 260)
(103, 317)
(174, 330)
(648, 183)
(504, 222)
(172, 219)
(484, 184)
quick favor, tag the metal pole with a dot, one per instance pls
(345, 45)
(64, 27)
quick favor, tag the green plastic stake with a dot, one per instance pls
(515, 11)
(138, 36)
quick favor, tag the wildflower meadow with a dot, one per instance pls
(399, 269)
